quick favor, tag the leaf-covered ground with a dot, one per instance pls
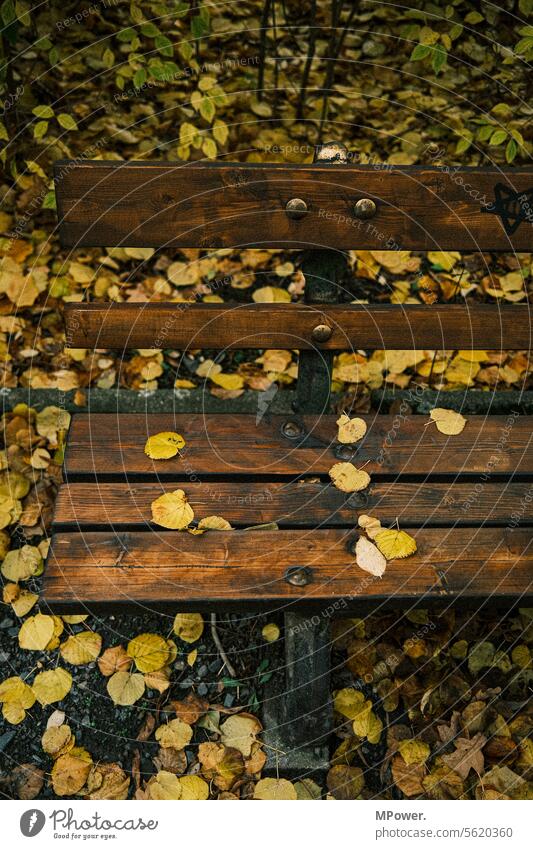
(428, 705)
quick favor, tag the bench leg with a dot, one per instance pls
(297, 709)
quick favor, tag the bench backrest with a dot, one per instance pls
(326, 208)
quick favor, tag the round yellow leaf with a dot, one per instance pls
(81, 648)
(350, 430)
(52, 686)
(164, 445)
(57, 740)
(414, 751)
(22, 563)
(448, 421)
(164, 786)
(193, 788)
(228, 381)
(275, 788)
(24, 602)
(13, 712)
(15, 691)
(126, 687)
(176, 734)
(270, 632)
(348, 702)
(395, 544)
(36, 632)
(239, 732)
(172, 510)
(347, 478)
(189, 627)
(214, 523)
(70, 771)
(270, 295)
(149, 651)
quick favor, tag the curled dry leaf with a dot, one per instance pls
(164, 445)
(448, 421)
(70, 772)
(172, 510)
(347, 478)
(82, 648)
(189, 627)
(370, 525)
(350, 430)
(125, 688)
(21, 600)
(191, 708)
(158, 680)
(52, 686)
(22, 563)
(369, 557)
(114, 659)
(171, 760)
(214, 523)
(395, 544)
(221, 764)
(149, 651)
(107, 781)
(275, 788)
(58, 740)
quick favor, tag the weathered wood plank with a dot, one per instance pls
(224, 444)
(353, 326)
(215, 205)
(301, 504)
(247, 568)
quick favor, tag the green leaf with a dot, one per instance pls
(127, 34)
(473, 18)
(53, 57)
(485, 132)
(44, 112)
(150, 30)
(207, 109)
(199, 26)
(40, 129)
(439, 58)
(209, 148)
(139, 78)
(67, 121)
(462, 145)
(49, 201)
(7, 12)
(420, 52)
(518, 137)
(164, 46)
(108, 58)
(511, 150)
(498, 137)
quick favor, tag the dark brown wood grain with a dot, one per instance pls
(225, 444)
(301, 504)
(215, 205)
(288, 326)
(247, 568)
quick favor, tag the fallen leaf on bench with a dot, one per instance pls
(350, 430)
(347, 478)
(395, 544)
(270, 632)
(36, 632)
(172, 510)
(214, 523)
(370, 525)
(189, 627)
(369, 557)
(82, 648)
(275, 788)
(126, 687)
(164, 445)
(52, 686)
(448, 421)
(149, 651)
(239, 732)
(176, 734)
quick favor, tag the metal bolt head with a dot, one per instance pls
(321, 333)
(296, 208)
(345, 452)
(364, 208)
(298, 576)
(291, 429)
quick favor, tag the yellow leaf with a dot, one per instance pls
(227, 381)
(172, 510)
(270, 295)
(214, 523)
(371, 525)
(275, 788)
(193, 787)
(70, 771)
(239, 732)
(52, 686)
(394, 544)
(270, 632)
(22, 600)
(126, 687)
(158, 680)
(22, 563)
(191, 657)
(164, 445)
(367, 724)
(16, 698)
(350, 430)
(347, 478)
(107, 781)
(414, 751)
(149, 651)
(348, 702)
(446, 259)
(176, 734)
(189, 627)
(448, 421)
(397, 261)
(36, 632)
(369, 557)
(74, 619)
(164, 786)
(81, 648)
(114, 659)
(58, 740)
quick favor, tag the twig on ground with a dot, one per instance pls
(220, 647)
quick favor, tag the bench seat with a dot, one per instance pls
(466, 499)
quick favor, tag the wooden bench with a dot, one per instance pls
(106, 554)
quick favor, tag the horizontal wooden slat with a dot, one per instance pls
(390, 326)
(224, 444)
(246, 569)
(301, 504)
(219, 205)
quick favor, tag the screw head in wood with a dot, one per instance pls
(321, 333)
(296, 208)
(364, 208)
(298, 576)
(291, 429)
